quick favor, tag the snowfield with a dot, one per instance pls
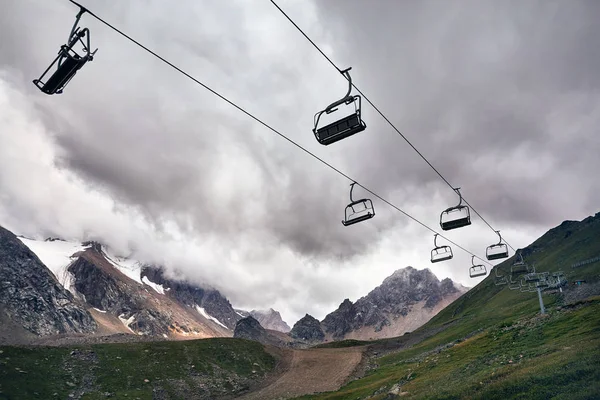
(56, 255)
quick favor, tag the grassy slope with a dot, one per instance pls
(504, 324)
(175, 368)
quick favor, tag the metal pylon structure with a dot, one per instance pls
(525, 278)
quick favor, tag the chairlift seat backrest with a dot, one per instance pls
(461, 217)
(519, 268)
(340, 129)
(441, 253)
(496, 251)
(477, 270)
(455, 223)
(63, 74)
(532, 277)
(366, 212)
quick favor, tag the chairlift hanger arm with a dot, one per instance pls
(347, 99)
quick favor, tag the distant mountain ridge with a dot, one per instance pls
(125, 296)
(268, 319)
(403, 302)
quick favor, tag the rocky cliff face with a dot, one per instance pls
(403, 302)
(307, 329)
(211, 300)
(31, 297)
(141, 309)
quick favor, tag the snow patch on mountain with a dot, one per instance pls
(130, 268)
(127, 321)
(206, 315)
(56, 255)
(157, 288)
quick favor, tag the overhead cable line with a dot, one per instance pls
(270, 127)
(384, 117)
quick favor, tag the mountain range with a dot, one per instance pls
(58, 288)
(403, 302)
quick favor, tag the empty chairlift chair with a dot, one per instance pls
(498, 250)
(455, 217)
(67, 62)
(514, 285)
(342, 128)
(499, 279)
(531, 276)
(476, 270)
(440, 253)
(358, 210)
(519, 267)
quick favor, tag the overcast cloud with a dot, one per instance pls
(502, 97)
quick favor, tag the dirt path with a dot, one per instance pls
(310, 371)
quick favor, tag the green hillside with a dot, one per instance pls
(493, 343)
(186, 369)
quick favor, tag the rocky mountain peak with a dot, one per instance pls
(405, 300)
(32, 297)
(271, 319)
(308, 329)
(211, 300)
(249, 328)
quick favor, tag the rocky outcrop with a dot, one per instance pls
(105, 289)
(403, 302)
(31, 297)
(271, 319)
(249, 328)
(308, 329)
(135, 307)
(211, 300)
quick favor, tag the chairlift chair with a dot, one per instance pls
(440, 253)
(499, 279)
(455, 217)
(358, 210)
(476, 270)
(532, 277)
(342, 128)
(527, 288)
(519, 266)
(68, 61)
(498, 250)
(512, 284)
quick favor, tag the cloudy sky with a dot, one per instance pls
(502, 97)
